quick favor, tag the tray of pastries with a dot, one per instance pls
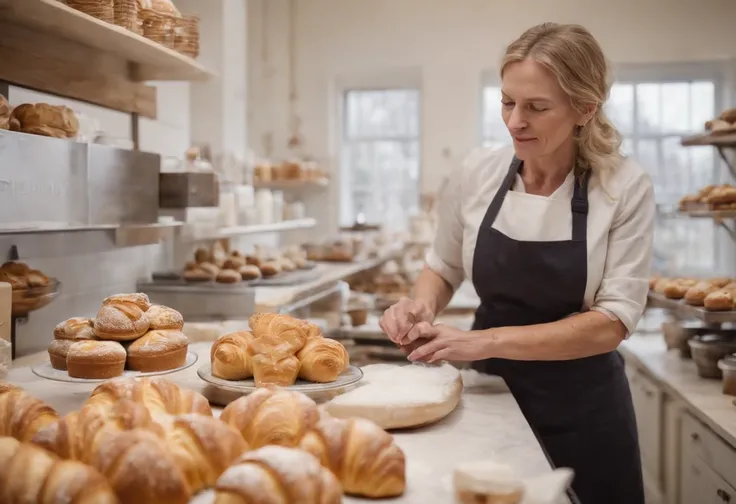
(710, 198)
(279, 350)
(32, 289)
(128, 337)
(705, 298)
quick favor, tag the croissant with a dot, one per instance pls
(258, 322)
(271, 417)
(22, 416)
(322, 360)
(277, 474)
(73, 435)
(284, 336)
(159, 395)
(311, 330)
(282, 372)
(29, 474)
(363, 456)
(229, 356)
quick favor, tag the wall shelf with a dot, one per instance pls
(148, 60)
(194, 235)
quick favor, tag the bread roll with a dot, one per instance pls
(58, 350)
(163, 317)
(272, 417)
(277, 474)
(228, 276)
(159, 395)
(197, 275)
(363, 456)
(676, 290)
(77, 328)
(210, 268)
(158, 350)
(322, 360)
(229, 356)
(121, 322)
(95, 360)
(139, 299)
(29, 474)
(696, 295)
(22, 416)
(250, 272)
(269, 269)
(720, 300)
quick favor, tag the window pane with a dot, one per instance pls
(676, 106)
(620, 107)
(648, 108)
(703, 163)
(389, 113)
(495, 132)
(703, 100)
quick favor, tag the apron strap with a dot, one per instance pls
(579, 207)
(508, 182)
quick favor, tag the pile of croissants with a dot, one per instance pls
(147, 441)
(713, 294)
(278, 350)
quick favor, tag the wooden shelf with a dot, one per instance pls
(685, 310)
(148, 60)
(709, 214)
(724, 140)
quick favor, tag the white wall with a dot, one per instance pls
(448, 44)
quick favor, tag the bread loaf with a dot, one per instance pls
(77, 328)
(139, 299)
(163, 317)
(22, 416)
(272, 417)
(277, 474)
(29, 474)
(229, 356)
(122, 321)
(360, 454)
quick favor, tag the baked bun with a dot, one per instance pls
(234, 263)
(158, 350)
(270, 269)
(696, 294)
(139, 299)
(95, 360)
(76, 328)
(197, 274)
(163, 317)
(250, 272)
(287, 264)
(229, 356)
(58, 350)
(228, 276)
(277, 474)
(322, 360)
(121, 322)
(271, 417)
(720, 300)
(210, 268)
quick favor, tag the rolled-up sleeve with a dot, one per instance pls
(445, 257)
(623, 290)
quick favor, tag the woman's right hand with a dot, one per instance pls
(399, 320)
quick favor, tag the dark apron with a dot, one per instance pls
(580, 410)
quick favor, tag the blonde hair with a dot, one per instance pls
(576, 59)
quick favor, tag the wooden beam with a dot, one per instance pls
(70, 69)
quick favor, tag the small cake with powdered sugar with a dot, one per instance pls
(158, 350)
(95, 360)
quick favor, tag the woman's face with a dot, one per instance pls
(536, 110)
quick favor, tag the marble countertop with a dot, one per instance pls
(486, 424)
(679, 378)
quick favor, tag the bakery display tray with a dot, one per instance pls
(345, 381)
(683, 309)
(44, 370)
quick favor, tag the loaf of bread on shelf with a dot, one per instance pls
(363, 456)
(696, 294)
(4, 113)
(77, 328)
(229, 356)
(158, 350)
(250, 272)
(322, 360)
(21, 415)
(95, 360)
(50, 120)
(163, 317)
(29, 474)
(720, 300)
(270, 268)
(159, 395)
(122, 318)
(277, 474)
(272, 417)
(677, 288)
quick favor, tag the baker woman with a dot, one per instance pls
(556, 236)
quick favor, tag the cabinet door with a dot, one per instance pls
(700, 485)
(647, 399)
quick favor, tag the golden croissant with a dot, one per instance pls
(159, 395)
(30, 474)
(271, 417)
(277, 474)
(22, 416)
(230, 358)
(258, 322)
(322, 360)
(284, 336)
(363, 456)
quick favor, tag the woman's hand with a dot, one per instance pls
(399, 321)
(443, 342)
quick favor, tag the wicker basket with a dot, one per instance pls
(186, 36)
(126, 15)
(100, 9)
(158, 27)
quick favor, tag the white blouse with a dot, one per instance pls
(620, 227)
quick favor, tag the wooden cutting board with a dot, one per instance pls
(401, 396)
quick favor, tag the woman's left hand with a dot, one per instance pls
(447, 343)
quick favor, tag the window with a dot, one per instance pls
(494, 129)
(380, 156)
(652, 115)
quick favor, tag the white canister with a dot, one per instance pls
(264, 206)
